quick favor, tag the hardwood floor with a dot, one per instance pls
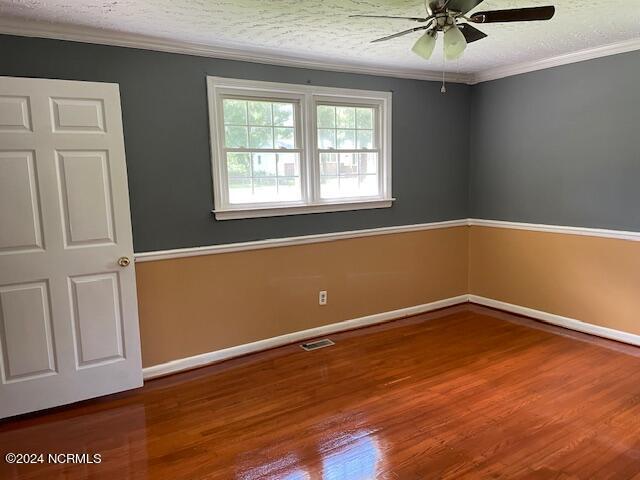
(466, 392)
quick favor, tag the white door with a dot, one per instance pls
(68, 310)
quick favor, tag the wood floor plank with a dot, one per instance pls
(466, 392)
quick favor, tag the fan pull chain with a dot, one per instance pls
(443, 89)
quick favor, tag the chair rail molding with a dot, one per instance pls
(290, 241)
(330, 237)
(562, 229)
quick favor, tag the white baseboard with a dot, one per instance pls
(203, 359)
(566, 322)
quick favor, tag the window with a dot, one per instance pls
(347, 151)
(281, 149)
(260, 151)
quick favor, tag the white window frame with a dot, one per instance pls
(306, 98)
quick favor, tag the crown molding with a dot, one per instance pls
(28, 28)
(565, 59)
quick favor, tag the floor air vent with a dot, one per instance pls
(325, 342)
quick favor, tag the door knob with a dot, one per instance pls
(124, 261)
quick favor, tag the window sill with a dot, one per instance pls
(253, 212)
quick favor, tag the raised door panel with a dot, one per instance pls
(15, 115)
(77, 115)
(19, 203)
(26, 333)
(85, 191)
(96, 307)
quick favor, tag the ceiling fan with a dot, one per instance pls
(444, 15)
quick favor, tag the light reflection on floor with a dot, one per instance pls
(358, 457)
(297, 475)
(356, 461)
(285, 468)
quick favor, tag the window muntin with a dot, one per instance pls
(261, 150)
(347, 150)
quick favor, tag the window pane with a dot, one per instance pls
(346, 117)
(288, 165)
(289, 189)
(349, 186)
(326, 116)
(276, 177)
(346, 139)
(238, 164)
(235, 137)
(283, 114)
(368, 163)
(365, 138)
(368, 185)
(260, 137)
(328, 164)
(240, 190)
(265, 190)
(326, 138)
(235, 112)
(329, 187)
(284, 137)
(348, 164)
(264, 165)
(356, 175)
(365, 118)
(259, 113)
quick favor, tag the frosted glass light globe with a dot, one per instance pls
(424, 45)
(454, 43)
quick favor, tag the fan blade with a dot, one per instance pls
(399, 34)
(471, 33)
(415, 19)
(463, 6)
(514, 15)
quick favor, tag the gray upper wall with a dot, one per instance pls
(164, 108)
(559, 146)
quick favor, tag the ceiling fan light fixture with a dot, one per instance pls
(425, 44)
(454, 43)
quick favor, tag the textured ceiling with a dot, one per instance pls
(321, 30)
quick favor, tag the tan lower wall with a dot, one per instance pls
(201, 304)
(595, 280)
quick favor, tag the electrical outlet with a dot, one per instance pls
(322, 297)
